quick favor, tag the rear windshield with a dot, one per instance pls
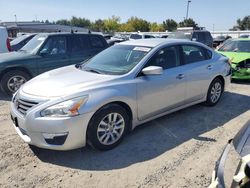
(135, 36)
(19, 39)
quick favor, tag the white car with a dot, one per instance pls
(4, 41)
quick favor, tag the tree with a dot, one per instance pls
(188, 23)
(170, 25)
(63, 22)
(138, 24)
(80, 22)
(112, 24)
(98, 25)
(154, 27)
(243, 24)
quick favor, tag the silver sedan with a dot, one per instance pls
(102, 99)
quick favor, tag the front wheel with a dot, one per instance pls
(108, 127)
(214, 92)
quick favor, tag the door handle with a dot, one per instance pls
(209, 67)
(180, 76)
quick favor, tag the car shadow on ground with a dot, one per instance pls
(154, 138)
(245, 82)
(4, 97)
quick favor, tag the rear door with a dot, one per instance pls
(198, 70)
(53, 54)
(79, 47)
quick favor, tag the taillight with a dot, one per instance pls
(8, 44)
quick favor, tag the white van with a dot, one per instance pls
(4, 40)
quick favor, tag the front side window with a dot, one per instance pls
(166, 58)
(116, 60)
(192, 54)
(54, 46)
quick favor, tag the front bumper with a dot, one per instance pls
(229, 171)
(51, 133)
(240, 73)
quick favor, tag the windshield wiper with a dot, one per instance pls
(93, 70)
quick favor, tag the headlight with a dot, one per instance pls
(65, 109)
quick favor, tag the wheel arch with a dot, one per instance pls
(15, 68)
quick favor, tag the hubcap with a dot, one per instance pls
(216, 92)
(110, 129)
(15, 82)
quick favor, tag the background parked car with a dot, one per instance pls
(219, 40)
(195, 34)
(45, 52)
(136, 36)
(19, 42)
(238, 51)
(232, 170)
(4, 41)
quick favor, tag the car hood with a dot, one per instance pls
(14, 56)
(64, 81)
(236, 57)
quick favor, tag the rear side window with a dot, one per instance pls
(192, 54)
(78, 43)
(96, 42)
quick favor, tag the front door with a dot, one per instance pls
(53, 54)
(159, 93)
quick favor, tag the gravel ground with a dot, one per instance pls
(178, 150)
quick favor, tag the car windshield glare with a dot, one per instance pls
(236, 46)
(116, 60)
(34, 44)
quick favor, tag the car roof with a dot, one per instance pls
(154, 42)
(68, 33)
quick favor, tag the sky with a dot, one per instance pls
(212, 14)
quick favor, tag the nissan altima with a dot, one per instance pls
(100, 100)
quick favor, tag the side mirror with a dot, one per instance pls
(152, 70)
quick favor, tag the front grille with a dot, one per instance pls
(24, 105)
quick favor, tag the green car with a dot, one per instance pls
(45, 52)
(238, 51)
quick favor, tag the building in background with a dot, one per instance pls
(14, 28)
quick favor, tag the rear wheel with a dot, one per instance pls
(108, 127)
(214, 92)
(12, 81)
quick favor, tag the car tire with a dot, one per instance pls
(12, 80)
(108, 127)
(214, 92)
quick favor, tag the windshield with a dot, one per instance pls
(34, 44)
(236, 46)
(116, 60)
(180, 35)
